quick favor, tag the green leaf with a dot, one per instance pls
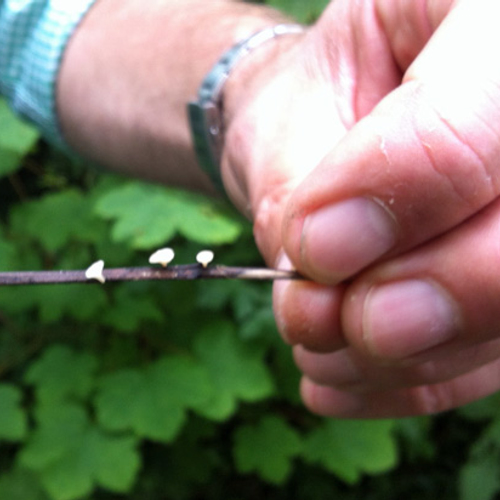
(62, 373)
(237, 370)
(261, 324)
(304, 12)
(16, 140)
(21, 484)
(349, 448)
(127, 310)
(81, 302)
(250, 303)
(482, 409)
(72, 456)
(267, 448)
(479, 480)
(59, 426)
(215, 295)
(243, 297)
(13, 421)
(153, 402)
(8, 257)
(148, 216)
(56, 219)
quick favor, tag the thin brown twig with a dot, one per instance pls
(179, 272)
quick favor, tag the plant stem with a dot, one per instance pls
(179, 272)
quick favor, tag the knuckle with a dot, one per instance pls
(461, 140)
(430, 399)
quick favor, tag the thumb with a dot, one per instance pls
(425, 159)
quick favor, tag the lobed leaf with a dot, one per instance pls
(56, 219)
(72, 456)
(153, 401)
(127, 311)
(59, 425)
(81, 302)
(62, 373)
(236, 369)
(267, 448)
(148, 216)
(349, 448)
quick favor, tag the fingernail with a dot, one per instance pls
(406, 318)
(341, 239)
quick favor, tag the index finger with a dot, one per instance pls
(424, 160)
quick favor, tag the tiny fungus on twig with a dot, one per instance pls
(205, 257)
(162, 256)
(95, 271)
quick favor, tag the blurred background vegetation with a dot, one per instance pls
(151, 391)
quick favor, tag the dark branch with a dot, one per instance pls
(180, 272)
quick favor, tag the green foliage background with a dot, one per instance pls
(178, 390)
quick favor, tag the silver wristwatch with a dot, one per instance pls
(206, 114)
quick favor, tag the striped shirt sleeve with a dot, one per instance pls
(33, 36)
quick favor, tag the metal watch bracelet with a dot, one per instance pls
(206, 113)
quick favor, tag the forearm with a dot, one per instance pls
(128, 72)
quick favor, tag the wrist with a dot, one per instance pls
(209, 113)
(254, 70)
(206, 114)
(253, 80)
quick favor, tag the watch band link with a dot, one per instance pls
(206, 113)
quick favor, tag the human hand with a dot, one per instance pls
(399, 221)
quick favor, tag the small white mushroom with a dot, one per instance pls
(94, 272)
(162, 256)
(205, 257)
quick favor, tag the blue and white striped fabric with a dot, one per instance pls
(33, 36)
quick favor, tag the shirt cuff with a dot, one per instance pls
(37, 34)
